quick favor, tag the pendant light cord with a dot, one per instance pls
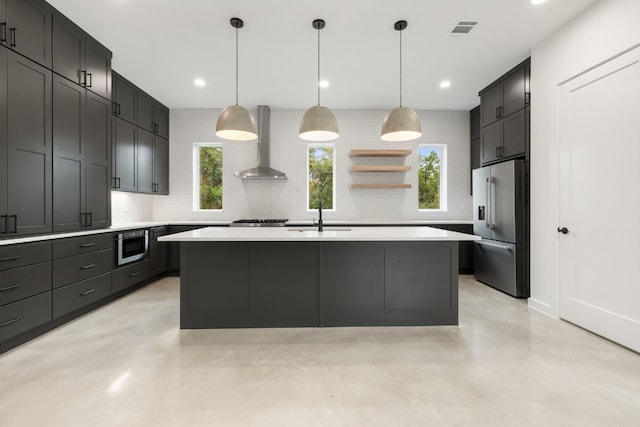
(236, 66)
(400, 68)
(318, 82)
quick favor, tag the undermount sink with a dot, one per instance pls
(301, 229)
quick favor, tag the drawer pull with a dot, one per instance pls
(137, 273)
(11, 258)
(9, 322)
(87, 245)
(90, 291)
(86, 267)
(10, 288)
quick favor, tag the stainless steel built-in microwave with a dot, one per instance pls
(132, 246)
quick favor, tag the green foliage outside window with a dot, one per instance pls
(210, 177)
(321, 177)
(429, 167)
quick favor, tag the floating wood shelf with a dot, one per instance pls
(375, 168)
(379, 153)
(380, 186)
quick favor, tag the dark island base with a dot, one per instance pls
(297, 284)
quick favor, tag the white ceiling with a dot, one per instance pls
(163, 45)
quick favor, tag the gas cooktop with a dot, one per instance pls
(258, 223)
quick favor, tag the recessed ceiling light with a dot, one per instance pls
(323, 83)
(445, 84)
(199, 82)
(535, 2)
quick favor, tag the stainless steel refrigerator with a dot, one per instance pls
(501, 218)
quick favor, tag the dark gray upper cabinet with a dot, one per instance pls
(161, 165)
(474, 123)
(505, 96)
(82, 158)
(26, 28)
(4, 185)
(506, 138)
(124, 155)
(80, 58)
(124, 99)
(144, 160)
(29, 151)
(152, 115)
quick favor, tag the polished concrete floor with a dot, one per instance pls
(128, 364)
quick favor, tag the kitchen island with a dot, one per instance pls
(291, 277)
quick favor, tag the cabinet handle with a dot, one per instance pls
(11, 258)
(10, 288)
(119, 110)
(90, 219)
(114, 110)
(497, 112)
(3, 32)
(87, 267)
(137, 273)
(90, 291)
(5, 218)
(15, 224)
(527, 98)
(83, 82)
(9, 322)
(90, 79)
(87, 245)
(83, 219)
(118, 179)
(12, 32)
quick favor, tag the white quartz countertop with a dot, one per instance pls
(300, 234)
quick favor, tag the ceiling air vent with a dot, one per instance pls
(461, 29)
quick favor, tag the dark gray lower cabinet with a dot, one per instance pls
(70, 298)
(158, 251)
(273, 284)
(23, 282)
(130, 275)
(24, 315)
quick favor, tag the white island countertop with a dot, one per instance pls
(301, 234)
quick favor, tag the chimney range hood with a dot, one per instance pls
(263, 170)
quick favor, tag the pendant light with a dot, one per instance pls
(318, 122)
(402, 123)
(235, 123)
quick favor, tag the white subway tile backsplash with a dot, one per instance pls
(287, 199)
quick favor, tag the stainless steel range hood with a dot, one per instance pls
(263, 170)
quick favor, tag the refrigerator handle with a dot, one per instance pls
(491, 218)
(487, 217)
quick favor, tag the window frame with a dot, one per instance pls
(443, 178)
(196, 175)
(331, 145)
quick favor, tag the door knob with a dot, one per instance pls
(563, 230)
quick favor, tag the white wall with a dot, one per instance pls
(131, 207)
(287, 199)
(603, 30)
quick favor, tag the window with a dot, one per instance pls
(207, 182)
(432, 172)
(321, 182)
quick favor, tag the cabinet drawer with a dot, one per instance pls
(24, 315)
(130, 275)
(72, 297)
(81, 245)
(12, 256)
(74, 269)
(24, 282)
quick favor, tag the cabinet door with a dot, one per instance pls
(68, 151)
(514, 134)
(514, 92)
(68, 49)
(474, 123)
(125, 99)
(29, 142)
(491, 142)
(29, 29)
(124, 157)
(98, 67)
(145, 161)
(3, 137)
(146, 107)
(490, 103)
(162, 120)
(97, 137)
(161, 165)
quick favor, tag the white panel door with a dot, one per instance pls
(599, 134)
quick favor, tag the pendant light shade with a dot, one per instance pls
(235, 123)
(402, 123)
(318, 122)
